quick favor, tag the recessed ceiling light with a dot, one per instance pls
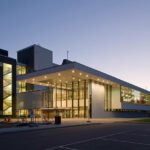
(59, 74)
(80, 73)
(33, 79)
(97, 79)
(87, 75)
(60, 80)
(73, 78)
(73, 71)
(45, 77)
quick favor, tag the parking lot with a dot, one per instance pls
(105, 136)
(137, 139)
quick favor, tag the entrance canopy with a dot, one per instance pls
(63, 74)
(72, 71)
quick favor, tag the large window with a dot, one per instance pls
(21, 70)
(135, 97)
(7, 89)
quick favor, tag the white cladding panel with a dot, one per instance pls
(97, 100)
(116, 100)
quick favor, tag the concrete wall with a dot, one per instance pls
(97, 100)
(43, 58)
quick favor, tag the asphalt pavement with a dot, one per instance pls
(114, 136)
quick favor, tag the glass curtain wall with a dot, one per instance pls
(107, 97)
(132, 96)
(7, 89)
(72, 99)
(21, 86)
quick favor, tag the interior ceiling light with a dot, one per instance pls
(80, 73)
(73, 71)
(59, 74)
(45, 77)
(87, 75)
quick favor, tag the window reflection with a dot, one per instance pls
(135, 97)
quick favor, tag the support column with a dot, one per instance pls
(66, 96)
(61, 94)
(1, 89)
(48, 101)
(56, 100)
(90, 99)
(78, 99)
(84, 98)
(72, 99)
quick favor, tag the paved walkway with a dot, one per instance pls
(65, 123)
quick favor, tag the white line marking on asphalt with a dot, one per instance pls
(67, 148)
(87, 140)
(124, 141)
(139, 134)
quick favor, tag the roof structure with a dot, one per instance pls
(77, 66)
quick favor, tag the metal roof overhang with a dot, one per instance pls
(67, 68)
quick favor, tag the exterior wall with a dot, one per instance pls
(97, 100)
(26, 56)
(30, 100)
(116, 99)
(135, 107)
(7, 60)
(43, 58)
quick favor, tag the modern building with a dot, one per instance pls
(7, 84)
(73, 90)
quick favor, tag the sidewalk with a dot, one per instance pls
(65, 123)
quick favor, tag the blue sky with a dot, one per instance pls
(112, 36)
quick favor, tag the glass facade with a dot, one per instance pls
(132, 96)
(7, 89)
(21, 86)
(107, 97)
(21, 70)
(70, 100)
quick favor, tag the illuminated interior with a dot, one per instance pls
(7, 89)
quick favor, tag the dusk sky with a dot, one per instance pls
(112, 36)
